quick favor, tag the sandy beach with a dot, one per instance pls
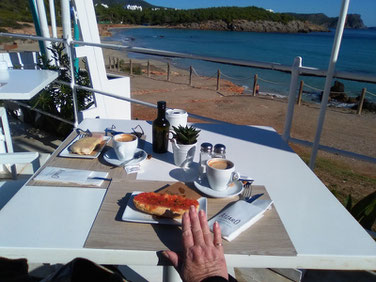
(343, 129)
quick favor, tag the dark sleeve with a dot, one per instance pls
(219, 279)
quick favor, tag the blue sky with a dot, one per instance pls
(366, 8)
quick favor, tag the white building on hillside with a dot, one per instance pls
(134, 7)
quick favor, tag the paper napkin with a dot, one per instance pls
(75, 176)
(239, 217)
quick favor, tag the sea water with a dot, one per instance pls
(357, 54)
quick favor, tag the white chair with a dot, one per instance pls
(106, 107)
(7, 155)
(22, 60)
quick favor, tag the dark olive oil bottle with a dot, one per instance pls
(161, 128)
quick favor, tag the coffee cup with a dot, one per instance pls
(125, 145)
(176, 117)
(220, 173)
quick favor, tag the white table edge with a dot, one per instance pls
(134, 257)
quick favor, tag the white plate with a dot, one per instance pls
(232, 191)
(131, 213)
(110, 157)
(93, 155)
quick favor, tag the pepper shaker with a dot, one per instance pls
(219, 151)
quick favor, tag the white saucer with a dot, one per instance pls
(203, 186)
(110, 157)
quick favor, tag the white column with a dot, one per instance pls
(53, 18)
(329, 78)
(44, 26)
(66, 19)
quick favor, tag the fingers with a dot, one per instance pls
(173, 257)
(205, 228)
(186, 232)
(196, 230)
(217, 235)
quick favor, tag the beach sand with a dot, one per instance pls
(343, 129)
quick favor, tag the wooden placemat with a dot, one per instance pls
(266, 237)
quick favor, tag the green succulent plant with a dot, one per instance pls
(185, 135)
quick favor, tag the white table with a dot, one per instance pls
(25, 84)
(323, 233)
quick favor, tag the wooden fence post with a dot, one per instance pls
(148, 69)
(299, 102)
(255, 77)
(219, 80)
(190, 75)
(361, 101)
(168, 71)
(130, 67)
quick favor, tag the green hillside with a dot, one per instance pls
(116, 14)
(143, 4)
(13, 11)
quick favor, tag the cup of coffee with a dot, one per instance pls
(125, 145)
(220, 173)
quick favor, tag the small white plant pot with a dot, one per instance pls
(183, 154)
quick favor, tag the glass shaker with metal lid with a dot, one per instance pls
(205, 155)
(219, 151)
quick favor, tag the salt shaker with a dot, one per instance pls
(205, 155)
(219, 151)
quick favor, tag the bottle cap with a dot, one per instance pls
(161, 104)
(206, 147)
(219, 148)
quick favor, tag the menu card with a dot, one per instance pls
(239, 217)
(75, 176)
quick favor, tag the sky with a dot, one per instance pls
(331, 8)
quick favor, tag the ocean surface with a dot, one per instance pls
(357, 54)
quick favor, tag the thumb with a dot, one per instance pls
(173, 257)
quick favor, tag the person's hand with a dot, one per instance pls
(202, 254)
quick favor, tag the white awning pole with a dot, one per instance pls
(66, 20)
(44, 27)
(329, 78)
(53, 18)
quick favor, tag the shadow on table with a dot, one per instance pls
(166, 157)
(247, 133)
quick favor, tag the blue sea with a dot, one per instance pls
(357, 54)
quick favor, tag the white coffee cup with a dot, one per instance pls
(125, 145)
(220, 173)
(176, 117)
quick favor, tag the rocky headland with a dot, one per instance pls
(294, 26)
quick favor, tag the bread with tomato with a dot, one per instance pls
(165, 205)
